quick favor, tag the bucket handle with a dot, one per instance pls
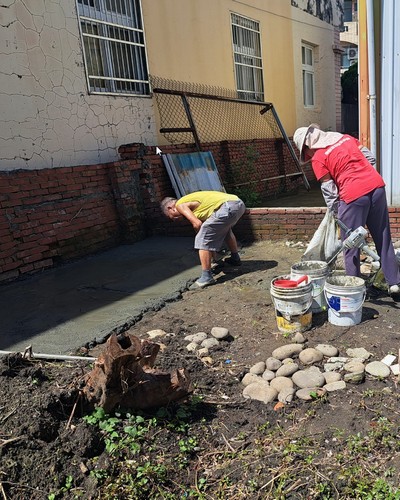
(358, 308)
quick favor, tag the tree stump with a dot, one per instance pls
(123, 375)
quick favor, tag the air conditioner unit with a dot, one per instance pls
(352, 53)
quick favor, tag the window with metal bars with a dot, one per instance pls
(114, 46)
(246, 41)
(307, 59)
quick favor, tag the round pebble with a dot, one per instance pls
(354, 366)
(327, 350)
(331, 377)
(258, 368)
(260, 392)
(309, 393)
(286, 395)
(335, 386)
(273, 364)
(219, 332)
(197, 338)
(377, 369)
(299, 338)
(287, 370)
(192, 347)
(280, 383)
(209, 343)
(268, 375)
(310, 355)
(251, 378)
(287, 351)
(354, 377)
(359, 352)
(308, 378)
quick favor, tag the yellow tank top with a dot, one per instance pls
(210, 201)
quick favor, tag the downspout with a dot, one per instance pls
(371, 75)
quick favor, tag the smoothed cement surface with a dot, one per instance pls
(67, 307)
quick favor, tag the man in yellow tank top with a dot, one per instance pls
(212, 215)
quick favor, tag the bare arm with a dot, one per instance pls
(186, 209)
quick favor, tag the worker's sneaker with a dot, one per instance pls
(202, 283)
(233, 262)
(394, 292)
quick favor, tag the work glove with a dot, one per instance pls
(331, 196)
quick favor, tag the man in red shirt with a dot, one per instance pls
(354, 191)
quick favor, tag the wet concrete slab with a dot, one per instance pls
(62, 309)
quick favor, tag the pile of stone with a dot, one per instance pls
(294, 370)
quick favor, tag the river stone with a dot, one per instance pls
(203, 351)
(197, 338)
(354, 366)
(359, 352)
(280, 383)
(377, 369)
(286, 395)
(354, 377)
(338, 359)
(335, 386)
(308, 378)
(192, 347)
(219, 332)
(331, 377)
(299, 338)
(268, 375)
(307, 393)
(331, 367)
(327, 350)
(258, 368)
(287, 369)
(286, 351)
(156, 333)
(310, 355)
(209, 343)
(251, 378)
(260, 392)
(273, 364)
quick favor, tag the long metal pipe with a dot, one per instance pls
(371, 75)
(59, 357)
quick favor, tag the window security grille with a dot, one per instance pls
(247, 57)
(307, 57)
(114, 46)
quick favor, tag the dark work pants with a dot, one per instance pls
(371, 211)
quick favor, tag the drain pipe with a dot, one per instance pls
(371, 75)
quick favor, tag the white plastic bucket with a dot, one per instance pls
(292, 306)
(345, 296)
(317, 272)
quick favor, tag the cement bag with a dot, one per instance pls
(325, 243)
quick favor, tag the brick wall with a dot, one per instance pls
(50, 216)
(54, 214)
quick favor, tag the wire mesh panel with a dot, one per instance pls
(215, 119)
(254, 156)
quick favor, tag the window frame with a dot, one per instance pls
(247, 58)
(114, 47)
(308, 75)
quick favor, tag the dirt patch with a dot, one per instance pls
(216, 444)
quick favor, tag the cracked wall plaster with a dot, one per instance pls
(48, 117)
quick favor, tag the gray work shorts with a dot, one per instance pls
(216, 228)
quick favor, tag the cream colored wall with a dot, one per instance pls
(48, 118)
(311, 30)
(191, 41)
